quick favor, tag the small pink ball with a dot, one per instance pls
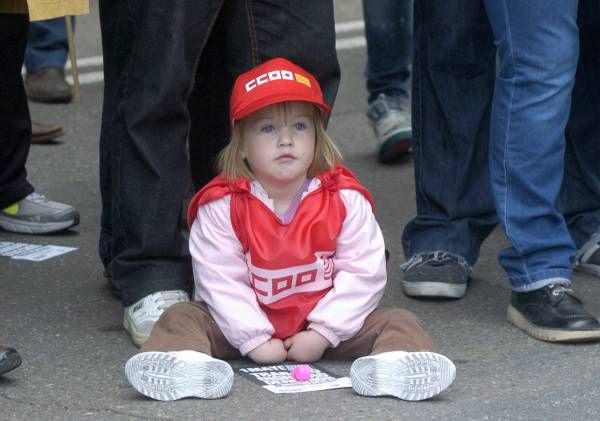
(301, 372)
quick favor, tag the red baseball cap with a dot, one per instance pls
(276, 80)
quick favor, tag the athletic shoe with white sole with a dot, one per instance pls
(436, 274)
(139, 318)
(587, 258)
(392, 127)
(411, 376)
(35, 214)
(168, 376)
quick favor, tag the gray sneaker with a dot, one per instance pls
(392, 127)
(436, 274)
(587, 258)
(37, 215)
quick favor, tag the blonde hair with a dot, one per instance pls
(232, 165)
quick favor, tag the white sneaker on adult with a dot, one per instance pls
(35, 214)
(411, 376)
(139, 318)
(168, 376)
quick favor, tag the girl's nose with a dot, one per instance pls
(285, 137)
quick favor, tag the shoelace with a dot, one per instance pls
(436, 257)
(37, 198)
(559, 289)
(167, 298)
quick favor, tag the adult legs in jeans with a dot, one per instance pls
(15, 125)
(144, 164)
(47, 45)
(579, 200)
(453, 79)
(538, 49)
(245, 35)
(145, 123)
(45, 58)
(146, 142)
(389, 49)
(21, 210)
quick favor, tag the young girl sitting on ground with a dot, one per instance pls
(289, 262)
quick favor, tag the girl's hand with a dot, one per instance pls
(271, 352)
(305, 347)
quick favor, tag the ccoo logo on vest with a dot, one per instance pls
(277, 75)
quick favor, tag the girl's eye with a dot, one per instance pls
(267, 129)
(300, 126)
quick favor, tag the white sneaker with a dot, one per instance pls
(168, 376)
(35, 214)
(392, 127)
(139, 318)
(411, 376)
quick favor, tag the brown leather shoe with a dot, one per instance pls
(42, 133)
(9, 359)
(48, 85)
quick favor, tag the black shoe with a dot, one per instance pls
(437, 274)
(553, 314)
(9, 359)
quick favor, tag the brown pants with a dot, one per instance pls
(189, 326)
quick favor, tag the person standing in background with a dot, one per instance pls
(388, 32)
(144, 166)
(45, 59)
(453, 86)
(21, 209)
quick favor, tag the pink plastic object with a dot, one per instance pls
(301, 372)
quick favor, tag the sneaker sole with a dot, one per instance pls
(416, 283)
(24, 227)
(396, 146)
(138, 337)
(413, 376)
(549, 335)
(163, 376)
(588, 268)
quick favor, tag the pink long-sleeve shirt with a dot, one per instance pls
(348, 281)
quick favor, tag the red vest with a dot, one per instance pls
(290, 266)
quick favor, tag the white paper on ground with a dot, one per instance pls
(32, 252)
(277, 378)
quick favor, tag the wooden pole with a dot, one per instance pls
(73, 59)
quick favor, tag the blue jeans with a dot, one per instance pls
(579, 199)
(453, 81)
(538, 46)
(149, 76)
(47, 45)
(389, 46)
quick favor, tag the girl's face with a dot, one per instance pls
(279, 143)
